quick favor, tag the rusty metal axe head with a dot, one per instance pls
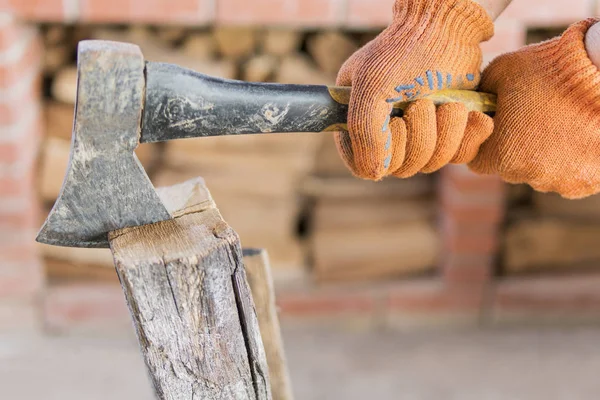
(105, 187)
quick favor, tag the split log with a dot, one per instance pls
(551, 244)
(280, 42)
(170, 35)
(60, 271)
(281, 143)
(200, 46)
(187, 293)
(55, 159)
(374, 253)
(260, 281)
(58, 118)
(78, 256)
(56, 57)
(55, 35)
(64, 85)
(348, 188)
(53, 166)
(328, 161)
(236, 42)
(371, 212)
(181, 154)
(260, 68)
(300, 69)
(330, 50)
(553, 205)
(153, 50)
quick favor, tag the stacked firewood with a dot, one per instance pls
(549, 233)
(359, 230)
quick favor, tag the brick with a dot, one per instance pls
(303, 13)
(470, 243)
(557, 299)
(147, 11)
(85, 306)
(468, 182)
(13, 152)
(509, 35)
(466, 238)
(469, 214)
(471, 270)
(11, 30)
(19, 60)
(431, 297)
(369, 13)
(541, 13)
(39, 10)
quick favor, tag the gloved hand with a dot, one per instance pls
(547, 126)
(431, 45)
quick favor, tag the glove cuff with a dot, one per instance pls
(463, 19)
(567, 57)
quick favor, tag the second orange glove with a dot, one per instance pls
(431, 45)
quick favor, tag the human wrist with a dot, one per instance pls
(493, 7)
(466, 19)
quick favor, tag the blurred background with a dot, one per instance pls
(448, 285)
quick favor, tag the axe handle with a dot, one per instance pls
(181, 103)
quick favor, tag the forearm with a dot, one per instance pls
(493, 7)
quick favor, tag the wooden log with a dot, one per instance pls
(261, 285)
(281, 143)
(260, 68)
(55, 159)
(328, 162)
(330, 50)
(186, 289)
(78, 256)
(64, 85)
(352, 188)
(56, 57)
(553, 205)
(236, 42)
(55, 35)
(181, 154)
(537, 244)
(374, 253)
(200, 46)
(280, 42)
(60, 271)
(52, 167)
(300, 69)
(58, 118)
(361, 213)
(171, 35)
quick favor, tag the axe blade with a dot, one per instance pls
(105, 187)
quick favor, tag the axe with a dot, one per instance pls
(123, 100)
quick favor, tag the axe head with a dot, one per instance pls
(105, 187)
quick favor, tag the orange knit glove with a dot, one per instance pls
(547, 127)
(431, 45)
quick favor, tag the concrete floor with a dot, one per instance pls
(526, 364)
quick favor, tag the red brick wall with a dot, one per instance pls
(20, 126)
(472, 206)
